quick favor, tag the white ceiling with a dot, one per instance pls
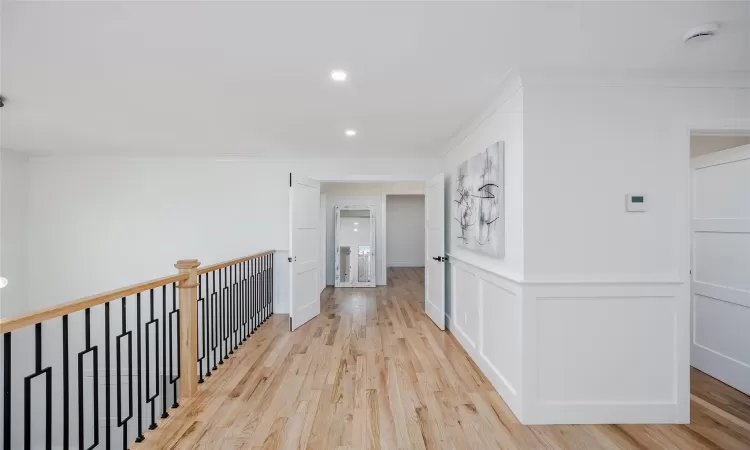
(252, 78)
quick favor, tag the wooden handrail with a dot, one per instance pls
(14, 323)
(212, 267)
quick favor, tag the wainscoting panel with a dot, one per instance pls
(486, 319)
(606, 353)
(501, 332)
(466, 301)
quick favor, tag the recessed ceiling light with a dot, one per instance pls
(701, 32)
(351, 133)
(356, 223)
(338, 75)
(355, 229)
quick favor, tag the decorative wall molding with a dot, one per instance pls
(571, 352)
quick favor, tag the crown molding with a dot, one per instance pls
(635, 78)
(509, 86)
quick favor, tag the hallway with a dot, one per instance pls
(372, 371)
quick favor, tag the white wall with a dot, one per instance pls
(504, 121)
(405, 230)
(100, 223)
(14, 189)
(593, 272)
(483, 294)
(591, 302)
(369, 194)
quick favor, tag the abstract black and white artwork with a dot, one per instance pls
(479, 202)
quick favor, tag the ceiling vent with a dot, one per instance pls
(701, 32)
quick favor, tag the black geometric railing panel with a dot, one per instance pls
(139, 342)
(138, 338)
(47, 373)
(95, 382)
(233, 302)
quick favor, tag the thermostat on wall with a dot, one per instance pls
(636, 203)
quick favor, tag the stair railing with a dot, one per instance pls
(158, 339)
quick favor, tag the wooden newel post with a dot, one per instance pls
(187, 292)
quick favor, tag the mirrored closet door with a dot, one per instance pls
(354, 246)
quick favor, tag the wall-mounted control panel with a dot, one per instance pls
(636, 203)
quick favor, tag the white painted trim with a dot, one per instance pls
(516, 278)
(634, 78)
(722, 225)
(722, 293)
(510, 84)
(623, 279)
(507, 391)
(384, 233)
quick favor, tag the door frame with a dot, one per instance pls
(727, 127)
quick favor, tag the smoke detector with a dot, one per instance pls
(701, 32)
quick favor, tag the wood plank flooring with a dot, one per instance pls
(372, 371)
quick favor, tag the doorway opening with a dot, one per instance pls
(361, 258)
(720, 257)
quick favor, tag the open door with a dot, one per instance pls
(434, 287)
(304, 207)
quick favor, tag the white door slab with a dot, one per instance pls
(720, 332)
(304, 242)
(434, 292)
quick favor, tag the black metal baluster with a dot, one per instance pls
(139, 419)
(123, 422)
(200, 333)
(264, 289)
(107, 431)
(226, 303)
(214, 307)
(150, 398)
(230, 310)
(251, 298)
(6, 391)
(95, 350)
(273, 293)
(252, 295)
(47, 372)
(245, 301)
(238, 305)
(221, 320)
(173, 381)
(205, 329)
(235, 303)
(270, 283)
(164, 413)
(255, 295)
(66, 384)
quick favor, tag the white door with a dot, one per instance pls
(434, 283)
(323, 248)
(304, 210)
(720, 344)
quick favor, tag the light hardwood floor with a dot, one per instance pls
(372, 371)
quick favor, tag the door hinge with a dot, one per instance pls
(290, 179)
(290, 259)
